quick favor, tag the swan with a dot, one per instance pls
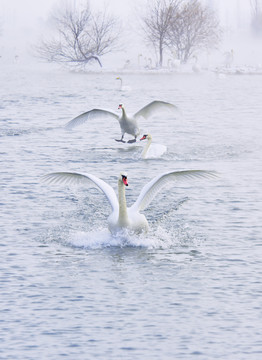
(229, 58)
(128, 124)
(154, 151)
(123, 87)
(121, 216)
(138, 60)
(195, 66)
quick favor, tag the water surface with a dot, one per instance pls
(191, 287)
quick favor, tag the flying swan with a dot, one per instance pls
(121, 216)
(128, 124)
(150, 151)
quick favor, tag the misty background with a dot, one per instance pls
(23, 23)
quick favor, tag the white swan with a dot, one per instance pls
(128, 124)
(123, 87)
(195, 66)
(229, 58)
(121, 216)
(152, 151)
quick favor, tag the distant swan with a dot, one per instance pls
(229, 58)
(128, 124)
(195, 66)
(121, 216)
(152, 151)
(123, 87)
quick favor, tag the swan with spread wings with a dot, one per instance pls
(128, 123)
(121, 216)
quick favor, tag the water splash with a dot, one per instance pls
(156, 238)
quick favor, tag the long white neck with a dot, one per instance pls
(122, 217)
(120, 82)
(123, 112)
(145, 150)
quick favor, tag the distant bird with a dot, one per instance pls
(176, 63)
(138, 59)
(123, 87)
(148, 63)
(170, 63)
(229, 58)
(126, 64)
(121, 216)
(152, 151)
(128, 124)
(195, 66)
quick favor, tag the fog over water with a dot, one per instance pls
(25, 22)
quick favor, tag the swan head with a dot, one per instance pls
(146, 136)
(118, 78)
(120, 106)
(123, 178)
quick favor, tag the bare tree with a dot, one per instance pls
(81, 36)
(156, 24)
(183, 26)
(192, 28)
(256, 20)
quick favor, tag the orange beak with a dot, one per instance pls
(125, 181)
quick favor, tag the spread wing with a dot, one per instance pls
(91, 115)
(155, 107)
(151, 189)
(68, 178)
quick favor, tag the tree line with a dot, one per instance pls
(81, 36)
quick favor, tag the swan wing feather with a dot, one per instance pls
(90, 115)
(151, 189)
(151, 108)
(69, 178)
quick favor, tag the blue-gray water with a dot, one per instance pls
(190, 288)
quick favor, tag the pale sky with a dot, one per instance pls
(28, 12)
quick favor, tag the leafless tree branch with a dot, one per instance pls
(194, 27)
(183, 26)
(256, 20)
(81, 36)
(156, 23)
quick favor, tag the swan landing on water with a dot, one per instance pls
(121, 216)
(128, 124)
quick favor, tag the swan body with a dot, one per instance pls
(152, 151)
(123, 87)
(123, 217)
(128, 124)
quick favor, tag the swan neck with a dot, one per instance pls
(122, 217)
(123, 112)
(120, 82)
(146, 148)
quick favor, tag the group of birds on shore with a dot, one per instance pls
(123, 217)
